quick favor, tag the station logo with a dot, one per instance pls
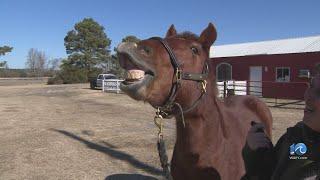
(297, 151)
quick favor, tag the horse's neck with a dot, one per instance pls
(204, 125)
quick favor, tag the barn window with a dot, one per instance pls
(224, 72)
(283, 74)
(304, 73)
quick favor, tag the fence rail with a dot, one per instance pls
(227, 88)
(111, 85)
(272, 93)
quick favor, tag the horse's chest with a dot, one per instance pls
(223, 162)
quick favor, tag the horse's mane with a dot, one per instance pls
(188, 36)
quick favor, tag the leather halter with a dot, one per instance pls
(166, 110)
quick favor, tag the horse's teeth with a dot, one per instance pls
(135, 74)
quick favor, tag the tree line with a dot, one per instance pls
(37, 64)
(88, 49)
(89, 54)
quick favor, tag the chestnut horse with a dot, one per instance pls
(210, 139)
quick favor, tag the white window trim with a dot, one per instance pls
(217, 67)
(277, 74)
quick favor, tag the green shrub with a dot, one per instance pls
(55, 80)
(13, 73)
(94, 73)
(71, 72)
(71, 75)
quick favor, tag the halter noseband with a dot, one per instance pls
(167, 109)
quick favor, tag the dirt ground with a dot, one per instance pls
(72, 132)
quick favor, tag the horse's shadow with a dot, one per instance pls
(129, 177)
(108, 149)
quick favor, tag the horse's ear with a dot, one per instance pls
(171, 31)
(208, 36)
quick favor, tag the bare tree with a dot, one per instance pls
(36, 62)
(31, 61)
(54, 64)
(41, 63)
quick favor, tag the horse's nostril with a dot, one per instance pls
(146, 49)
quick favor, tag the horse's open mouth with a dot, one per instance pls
(138, 75)
(135, 73)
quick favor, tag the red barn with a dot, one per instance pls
(276, 69)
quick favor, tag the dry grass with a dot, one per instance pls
(72, 132)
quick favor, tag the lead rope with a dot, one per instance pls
(161, 146)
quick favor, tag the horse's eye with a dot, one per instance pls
(194, 50)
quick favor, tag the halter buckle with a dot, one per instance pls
(178, 74)
(204, 86)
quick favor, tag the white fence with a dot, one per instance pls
(239, 87)
(111, 85)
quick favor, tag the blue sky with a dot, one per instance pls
(43, 24)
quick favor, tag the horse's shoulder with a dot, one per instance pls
(242, 100)
(251, 100)
(248, 102)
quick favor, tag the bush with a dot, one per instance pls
(55, 80)
(13, 73)
(71, 75)
(94, 73)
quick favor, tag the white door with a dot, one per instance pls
(255, 81)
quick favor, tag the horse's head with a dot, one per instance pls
(149, 69)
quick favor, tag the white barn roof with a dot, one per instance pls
(283, 46)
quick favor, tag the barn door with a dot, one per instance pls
(255, 81)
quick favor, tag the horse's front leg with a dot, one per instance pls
(203, 174)
(208, 174)
(176, 168)
(181, 171)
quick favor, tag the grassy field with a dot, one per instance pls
(72, 132)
